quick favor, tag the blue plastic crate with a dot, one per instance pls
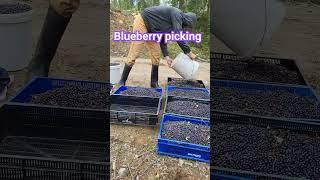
(123, 88)
(182, 149)
(170, 88)
(172, 98)
(247, 86)
(54, 121)
(38, 142)
(42, 84)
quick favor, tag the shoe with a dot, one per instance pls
(124, 76)
(154, 76)
(51, 34)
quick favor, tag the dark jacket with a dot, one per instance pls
(164, 19)
(4, 79)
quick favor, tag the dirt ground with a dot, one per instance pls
(82, 54)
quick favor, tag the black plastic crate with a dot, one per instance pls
(233, 174)
(25, 157)
(54, 121)
(133, 110)
(310, 125)
(41, 158)
(48, 142)
(200, 82)
(286, 63)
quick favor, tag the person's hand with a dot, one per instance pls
(169, 60)
(192, 56)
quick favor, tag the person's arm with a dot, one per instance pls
(164, 50)
(184, 47)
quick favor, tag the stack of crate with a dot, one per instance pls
(53, 142)
(183, 149)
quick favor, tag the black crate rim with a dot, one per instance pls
(53, 159)
(253, 174)
(53, 107)
(172, 78)
(300, 126)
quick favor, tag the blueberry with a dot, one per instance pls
(256, 71)
(13, 8)
(197, 94)
(75, 96)
(189, 108)
(139, 91)
(186, 132)
(265, 150)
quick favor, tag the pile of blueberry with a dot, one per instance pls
(14, 8)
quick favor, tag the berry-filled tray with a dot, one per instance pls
(62, 108)
(258, 69)
(193, 108)
(184, 137)
(138, 91)
(247, 101)
(190, 93)
(179, 82)
(262, 152)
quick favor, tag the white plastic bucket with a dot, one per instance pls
(115, 72)
(15, 40)
(185, 67)
(243, 25)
